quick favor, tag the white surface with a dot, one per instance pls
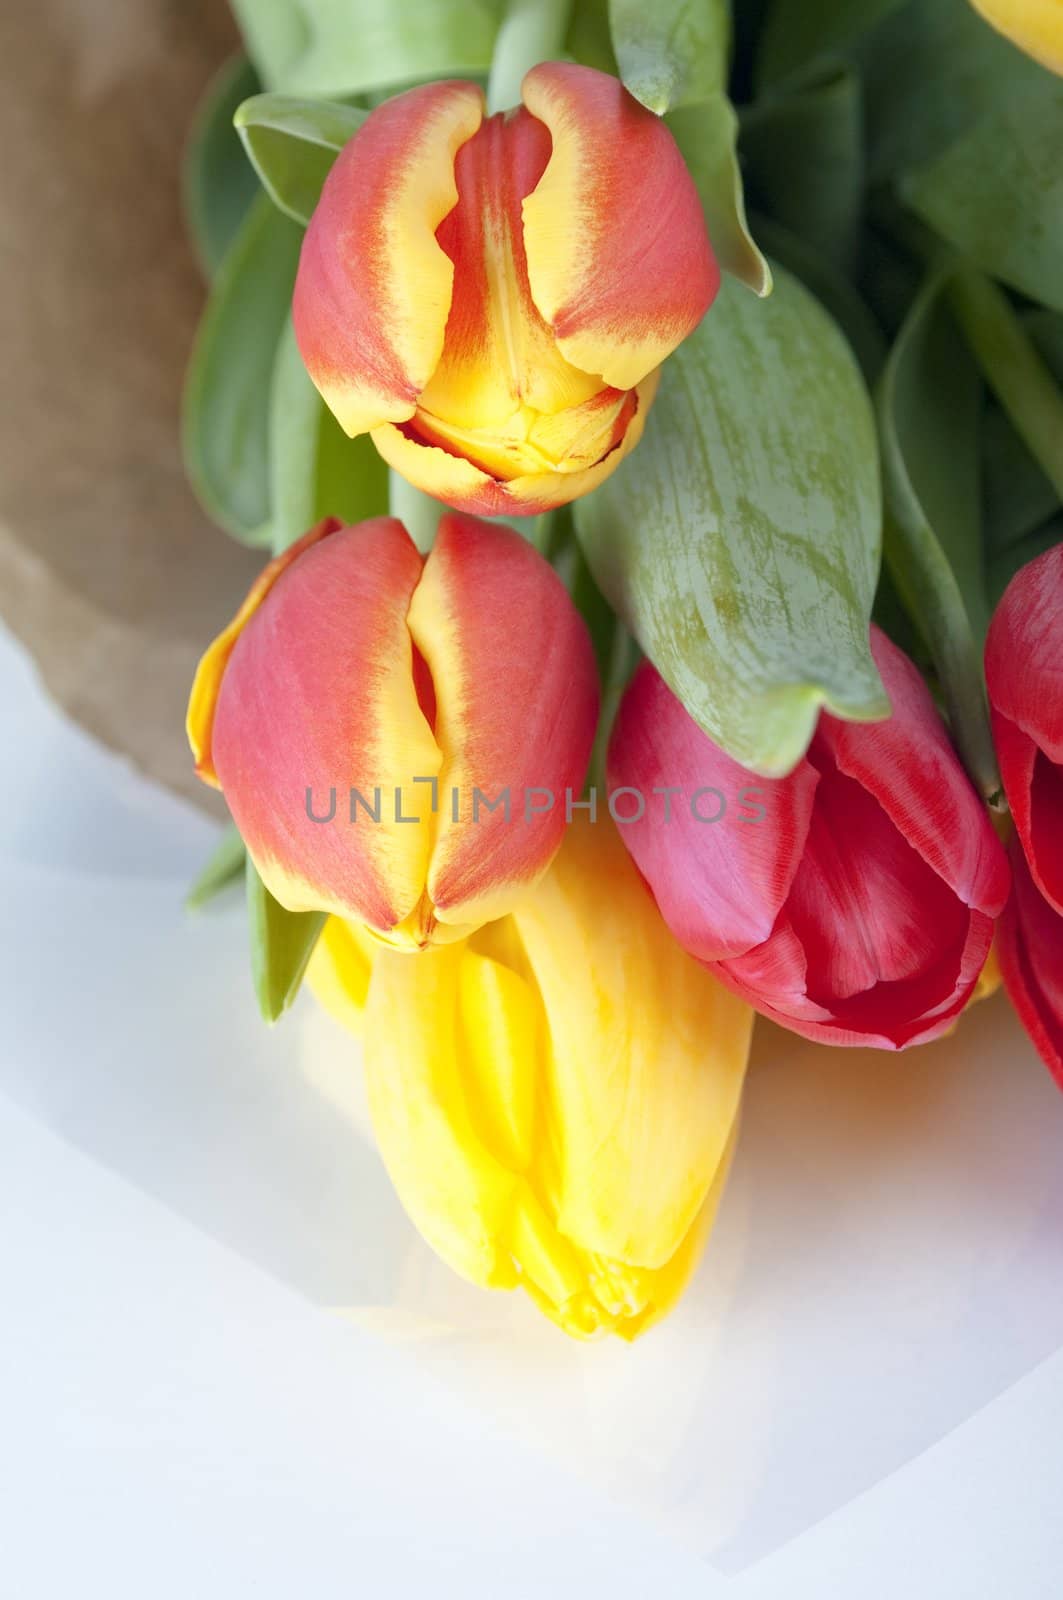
(863, 1393)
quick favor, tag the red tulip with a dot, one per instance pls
(378, 720)
(491, 297)
(852, 901)
(1030, 946)
(1024, 675)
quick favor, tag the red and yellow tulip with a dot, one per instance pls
(556, 1097)
(367, 707)
(491, 297)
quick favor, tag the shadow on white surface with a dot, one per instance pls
(889, 1256)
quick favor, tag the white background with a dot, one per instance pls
(227, 1365)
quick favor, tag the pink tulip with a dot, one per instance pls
(853, 900)
(1024, 675)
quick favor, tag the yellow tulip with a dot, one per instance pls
(1036, 26)
(555, 1097)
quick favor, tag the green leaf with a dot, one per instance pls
(804, 161)
(589, 40)
(223, 866)
(929, 402)
(529, 31)
(226, 400)
(1013, 367)
(798, 33)
(706, 134)
(833, 291)
(932, 70)
(997, 193)
(889, 277)
(315, 470)
(1016, 495)
(740, 542)
(218, 188)
(671, 52)
(1006, 563)
(282, 943)
(292, 143)
(1046, 330)
(339, 47)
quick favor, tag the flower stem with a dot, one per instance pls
(531, 31)
(1013, 368)
(417, 510)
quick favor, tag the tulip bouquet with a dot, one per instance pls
(653, 415)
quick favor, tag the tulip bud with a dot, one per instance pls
(1031, 959)
(491, 297)
(374, 719)
(1036, 26)
(1024, 676)
(556, 1097)
(852, 901)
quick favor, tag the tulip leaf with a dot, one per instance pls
(223, 866)
(589, 40)
(1006, 563)
(1046, 330)
(803, 157)
(706, 134)
(1013, 367)
(217, 185)
(740, 542)
(292, 143)
(339, 47)
(315, 470)
(282, 943)
(929, 404)
(833, 291)
(672, 52)
(931, 71)
(226, 402)
(797, 33)
(997, 192)
(1016, 495)
(889, 277)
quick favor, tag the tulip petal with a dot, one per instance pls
(527, 442)
(859, 874)
(199, 722)
(1024, 656)
(1046, 829)
(499, 357)
(908, 764)
(468, 488)
(501, 1025)
(339, 971)
(647, 1055)
(1030, 943)
(487, 597)
(1024, 676)
(619, 262)
(460, 1197)
(283, 749)
(720, 885)
(554, 1074)
(373, 288)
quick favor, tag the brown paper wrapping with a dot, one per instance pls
(110, 573)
